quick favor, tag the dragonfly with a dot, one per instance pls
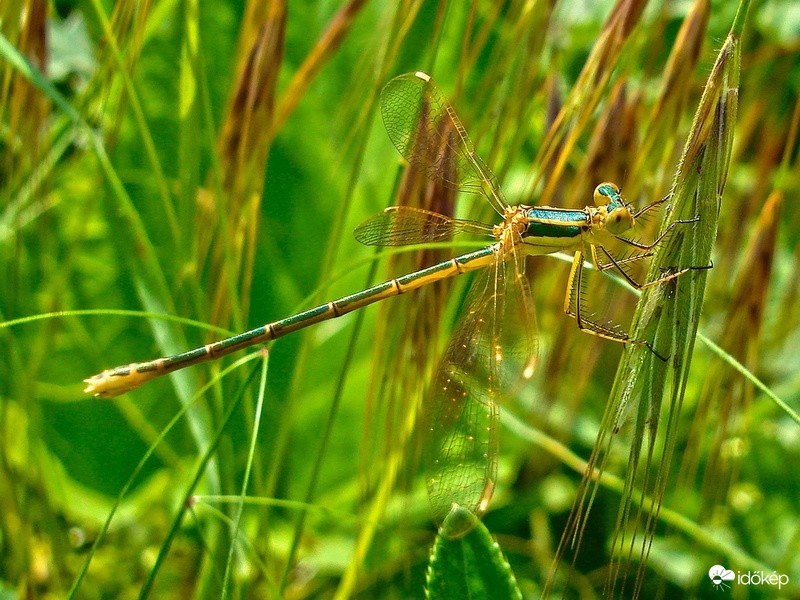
(494, 341)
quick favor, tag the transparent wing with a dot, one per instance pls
(494, 343)
(400, 225)
(426, 130)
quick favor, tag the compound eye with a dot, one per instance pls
(605, 193)
(619, 220)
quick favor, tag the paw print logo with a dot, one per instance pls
(719, 575)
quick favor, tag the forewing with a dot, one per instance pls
(425, 129)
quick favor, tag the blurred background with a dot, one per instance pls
(178, 171)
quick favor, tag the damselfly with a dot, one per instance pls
(495, 338)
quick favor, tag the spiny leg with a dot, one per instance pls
(574, 308)
(651, 206)
(618, 265)
(667, 230)
(617, 262)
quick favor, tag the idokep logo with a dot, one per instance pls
(720, 576)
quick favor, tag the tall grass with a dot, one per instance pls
(209, 161)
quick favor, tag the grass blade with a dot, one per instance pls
(648, 392)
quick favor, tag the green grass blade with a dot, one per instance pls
(470, 566)
(648, 392)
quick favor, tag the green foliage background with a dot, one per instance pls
(131, 180)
